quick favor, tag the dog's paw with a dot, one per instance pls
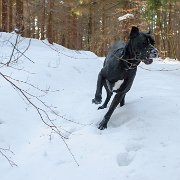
(122, 104)
(96, 101)
(103, 124)
(102, 107)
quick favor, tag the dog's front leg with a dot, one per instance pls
(117, 99)
(122, 101)
(98, 94)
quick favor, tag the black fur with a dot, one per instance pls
(121, 64)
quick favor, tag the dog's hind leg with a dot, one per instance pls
(109, 94)
(98, 94)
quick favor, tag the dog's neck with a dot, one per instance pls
(130, 57)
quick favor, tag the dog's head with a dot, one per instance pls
(142, 46)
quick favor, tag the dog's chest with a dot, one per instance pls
(114, 86)
(117, 85)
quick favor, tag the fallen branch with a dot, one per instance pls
(3, 152)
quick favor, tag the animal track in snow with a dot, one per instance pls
(124, 159)
(133, 147)
(1, 122)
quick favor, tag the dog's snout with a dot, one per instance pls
(154, 53)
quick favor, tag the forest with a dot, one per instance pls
(93, 24)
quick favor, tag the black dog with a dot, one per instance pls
(120, 67)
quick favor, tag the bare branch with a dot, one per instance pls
(60, 52)
(163, 69)
(41, 112)
(13, 50)
(22, 53)
(3, 152)
(44, 111)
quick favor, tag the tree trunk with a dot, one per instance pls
(10, 15)
(74, 32)
(27, 17)
(4, 15)
(50, 22)
(89, 26)
(19, 16)
(43, 20)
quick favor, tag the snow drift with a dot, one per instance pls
(142, 141)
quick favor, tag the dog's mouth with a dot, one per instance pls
(147, 61)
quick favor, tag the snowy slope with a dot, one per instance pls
(142, 141)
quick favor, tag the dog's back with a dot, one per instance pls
(115, 52)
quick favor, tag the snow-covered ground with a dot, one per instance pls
(142, 141)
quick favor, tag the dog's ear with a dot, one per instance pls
(134, 32)
(151, 40)
(149, 32)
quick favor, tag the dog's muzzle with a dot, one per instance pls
(153, 54)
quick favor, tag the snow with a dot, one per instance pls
(142, 141)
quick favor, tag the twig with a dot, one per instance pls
(166, 70)
(13, 50)
(3, 152)
(58, 51)
(22, 53)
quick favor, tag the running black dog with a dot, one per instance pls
(119, 70)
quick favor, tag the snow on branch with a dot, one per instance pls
(126, 16)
